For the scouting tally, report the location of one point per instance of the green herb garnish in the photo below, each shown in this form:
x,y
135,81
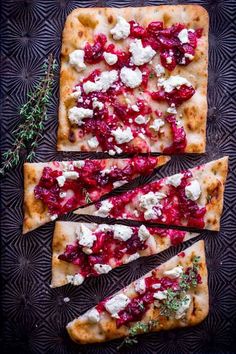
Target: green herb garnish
x,y
151,75
87,196
33,114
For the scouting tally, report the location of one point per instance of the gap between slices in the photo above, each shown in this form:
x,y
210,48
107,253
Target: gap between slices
x,y
81,250
192,198
56,188
173,295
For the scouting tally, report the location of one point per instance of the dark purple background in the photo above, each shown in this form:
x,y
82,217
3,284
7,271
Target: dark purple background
x,y
33,315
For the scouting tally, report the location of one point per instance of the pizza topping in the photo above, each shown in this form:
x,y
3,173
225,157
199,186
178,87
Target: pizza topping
x,y
143,233
76,279
102,268
102,83
93,316
122,136
121,29
160,70
76,58
174,180
173,82
140,119
135,108
133,257
118,184
141,55
193,190
104,208
131,78
151,203
157,124
97,104
178,135
110,58
140,286
76,93
116,304
183,36
160,295
85,236
76,115
71,174
174,273
93,142
122,233
61,180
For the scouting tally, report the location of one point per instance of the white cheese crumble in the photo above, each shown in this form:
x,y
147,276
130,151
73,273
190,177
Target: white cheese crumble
x,y
174,180
79,164
121,29
122,136
53,217
183,36
111,152
118,150
156,286
193,190
62,194
143,233
140,119
110,58
140,55
135,108
183,308
93,142
102,83
97,104
118,184
160,70
169,60
160,295
133,257
77,93
150,200
76,115
66,299
104,209
173,82
157,124
87,250
76,279
102,268
189,56
172,109
131,78
76,58
105,228
61,180
140,286
85,236
116,304
93,316
71,175
122,232
174,272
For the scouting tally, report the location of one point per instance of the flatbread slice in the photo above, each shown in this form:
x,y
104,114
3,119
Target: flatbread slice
x,y
193,198
55,188
115,94
81,250
171,296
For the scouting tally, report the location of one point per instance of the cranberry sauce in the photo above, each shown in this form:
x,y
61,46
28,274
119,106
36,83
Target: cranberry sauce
x,y
92,183
176,96
178,135
176,208
139,305
104,249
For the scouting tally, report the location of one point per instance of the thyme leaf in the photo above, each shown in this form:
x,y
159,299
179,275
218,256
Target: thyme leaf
x,y
87,196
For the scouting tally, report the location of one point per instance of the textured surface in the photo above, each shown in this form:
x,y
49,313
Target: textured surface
x,y
33,315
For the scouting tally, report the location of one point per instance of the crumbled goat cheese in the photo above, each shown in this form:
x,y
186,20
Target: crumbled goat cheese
x,y
61,180
76,279
189,56
183,36
160,295
174,272
93,316
131,78
173,82
118,150
105,228
85,236
93,142
104,209
121,29
140,119
193,190
62,194
122,136
156,286
122,233
118,184
76,115
110,58
87,250
102,268
135,108
183,308
77,93
169,60
150,200
79,164
174,180
171,110
53,217
157,124
143,233
71,175
116,304
111,152
160,70
97,104
102,83
76,58
132,257
140,55
140,286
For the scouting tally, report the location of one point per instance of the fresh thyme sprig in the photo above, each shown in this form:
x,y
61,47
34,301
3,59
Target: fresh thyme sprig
x,y
33,115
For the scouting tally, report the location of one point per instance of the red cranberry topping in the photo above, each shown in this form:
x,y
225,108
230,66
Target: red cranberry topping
x,y
94,53
178,135
176,96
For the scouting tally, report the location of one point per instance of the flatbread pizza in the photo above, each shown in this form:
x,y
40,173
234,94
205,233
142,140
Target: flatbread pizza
x,y
134,80
192,198
173,295
81,250
55,188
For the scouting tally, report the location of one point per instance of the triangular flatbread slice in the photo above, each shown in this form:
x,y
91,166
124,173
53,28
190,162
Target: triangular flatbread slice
x,y
193,198
173,295
81,250
55,188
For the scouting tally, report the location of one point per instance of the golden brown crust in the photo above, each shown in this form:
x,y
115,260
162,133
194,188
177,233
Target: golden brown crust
x,y
80,27
35,212
64,234
82,331
212,177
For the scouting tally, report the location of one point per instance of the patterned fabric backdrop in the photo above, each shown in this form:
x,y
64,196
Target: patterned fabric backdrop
x,y
33,315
